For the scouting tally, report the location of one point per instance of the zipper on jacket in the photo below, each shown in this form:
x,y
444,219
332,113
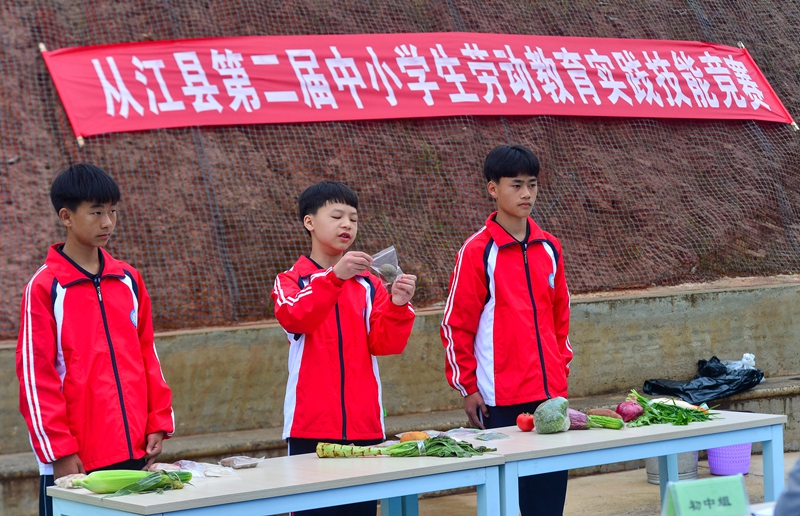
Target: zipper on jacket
x,y
535,318
341,370
114,366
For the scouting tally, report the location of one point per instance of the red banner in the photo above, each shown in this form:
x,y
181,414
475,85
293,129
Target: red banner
x,y
285,79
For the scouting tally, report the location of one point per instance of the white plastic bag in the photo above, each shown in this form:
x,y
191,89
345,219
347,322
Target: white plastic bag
x,y
748,361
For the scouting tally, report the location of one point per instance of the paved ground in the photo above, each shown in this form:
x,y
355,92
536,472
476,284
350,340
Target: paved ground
x,y
625,493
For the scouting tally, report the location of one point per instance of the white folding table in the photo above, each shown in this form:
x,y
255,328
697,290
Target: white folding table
x,y
530,453
301,482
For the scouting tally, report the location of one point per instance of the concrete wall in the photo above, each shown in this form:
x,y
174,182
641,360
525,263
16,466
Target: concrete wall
x,y
234,379
621,341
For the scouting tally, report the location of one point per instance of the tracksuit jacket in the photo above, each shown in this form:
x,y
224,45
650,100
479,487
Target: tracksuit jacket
x,y
90,379
336,328
506,320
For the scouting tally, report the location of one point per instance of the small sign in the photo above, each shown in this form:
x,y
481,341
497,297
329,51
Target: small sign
x,y
715,496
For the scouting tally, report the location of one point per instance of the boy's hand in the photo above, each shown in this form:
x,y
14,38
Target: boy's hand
x,y
352,263
68,465
472,404
153,447
403,289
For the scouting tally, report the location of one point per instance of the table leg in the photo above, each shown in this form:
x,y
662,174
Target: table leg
x,y
509,489
400,506
772,454
489,493
667,472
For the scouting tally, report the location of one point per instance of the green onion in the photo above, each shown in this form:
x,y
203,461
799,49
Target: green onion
x,y
440,446
666,413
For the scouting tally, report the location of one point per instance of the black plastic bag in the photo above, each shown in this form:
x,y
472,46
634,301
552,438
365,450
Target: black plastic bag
x,y
705,388
711,367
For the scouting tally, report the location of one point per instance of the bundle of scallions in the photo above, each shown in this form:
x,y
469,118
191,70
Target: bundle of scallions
x,y
658,412
439,446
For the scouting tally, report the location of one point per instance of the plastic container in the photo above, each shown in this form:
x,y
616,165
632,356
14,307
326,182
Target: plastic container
x,y
730,460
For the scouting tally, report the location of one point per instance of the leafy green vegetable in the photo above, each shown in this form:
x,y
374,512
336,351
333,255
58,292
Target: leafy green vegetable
x,y
439,446
664,413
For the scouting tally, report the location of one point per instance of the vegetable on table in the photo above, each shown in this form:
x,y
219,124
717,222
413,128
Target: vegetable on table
x,y
122,482
525,422
109,481
680,403
551,416
667,412
603,412
614,423
439,446
578,420
629,410
414,436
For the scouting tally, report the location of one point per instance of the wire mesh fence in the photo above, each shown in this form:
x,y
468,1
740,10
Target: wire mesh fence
x,y
209,214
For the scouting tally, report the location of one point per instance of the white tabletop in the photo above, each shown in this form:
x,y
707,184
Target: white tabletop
x,y
280,477
285,476
531,445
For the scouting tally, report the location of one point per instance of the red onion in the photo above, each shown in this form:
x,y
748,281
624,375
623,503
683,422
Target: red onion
x,y
629,410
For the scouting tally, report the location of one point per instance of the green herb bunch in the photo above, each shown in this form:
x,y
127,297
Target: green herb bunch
x,y
656,413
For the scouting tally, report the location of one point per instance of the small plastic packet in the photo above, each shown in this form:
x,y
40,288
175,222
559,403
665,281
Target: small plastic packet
x,y
463,432
204,469
490,435
240,462
66,480
163,466
384,263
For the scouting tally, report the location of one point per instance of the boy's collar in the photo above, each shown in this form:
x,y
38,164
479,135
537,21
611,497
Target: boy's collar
x,y
83,271
314,262
68,272
305,266
503,238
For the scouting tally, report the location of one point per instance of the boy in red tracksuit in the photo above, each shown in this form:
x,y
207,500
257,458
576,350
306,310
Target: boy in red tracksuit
x,y
91,388
338,317
506,321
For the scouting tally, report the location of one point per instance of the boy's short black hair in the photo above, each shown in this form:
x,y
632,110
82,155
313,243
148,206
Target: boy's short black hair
x,y
510,161
315,197
83,182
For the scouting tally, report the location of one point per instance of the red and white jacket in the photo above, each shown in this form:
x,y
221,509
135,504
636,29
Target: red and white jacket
x,y
90,379
506,321
336,328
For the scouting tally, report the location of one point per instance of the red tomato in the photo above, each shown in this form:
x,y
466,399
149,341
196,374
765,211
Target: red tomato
x,y
525,422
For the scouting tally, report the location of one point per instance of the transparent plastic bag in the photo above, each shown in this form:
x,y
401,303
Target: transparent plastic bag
x,y
204,469
463,432
66,481
385,265
240,462
490,435
163,466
